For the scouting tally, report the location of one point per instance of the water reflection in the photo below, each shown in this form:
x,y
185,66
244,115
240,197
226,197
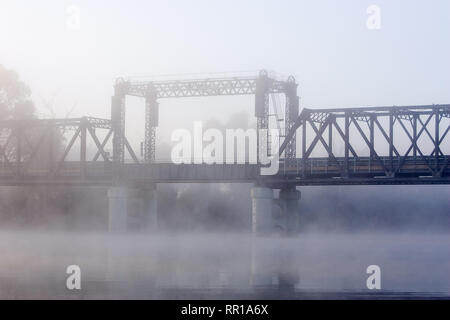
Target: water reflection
x,y
33,265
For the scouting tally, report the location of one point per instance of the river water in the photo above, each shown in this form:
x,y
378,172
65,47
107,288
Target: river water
x,y
221,265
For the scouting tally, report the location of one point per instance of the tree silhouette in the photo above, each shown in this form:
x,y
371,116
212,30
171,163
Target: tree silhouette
x,y
15,101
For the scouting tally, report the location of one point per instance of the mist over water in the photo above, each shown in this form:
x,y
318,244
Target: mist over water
x,y
33,264
204,245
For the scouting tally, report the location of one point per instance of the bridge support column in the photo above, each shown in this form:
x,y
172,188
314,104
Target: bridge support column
x,y
286,268
289,199
262,226
272,219
118,209
132,208
149,215
262,199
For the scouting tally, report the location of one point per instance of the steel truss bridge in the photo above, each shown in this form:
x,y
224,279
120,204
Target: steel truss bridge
x,y
339,146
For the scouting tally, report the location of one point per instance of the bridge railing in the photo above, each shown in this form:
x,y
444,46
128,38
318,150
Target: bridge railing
x,y
100,173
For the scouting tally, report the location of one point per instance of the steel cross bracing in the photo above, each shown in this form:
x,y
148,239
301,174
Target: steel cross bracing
x,y
201,87
400,140
381,145
260,86
37,149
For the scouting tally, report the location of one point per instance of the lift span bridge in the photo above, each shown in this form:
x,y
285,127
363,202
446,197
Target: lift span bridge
x,y
339,146
377,145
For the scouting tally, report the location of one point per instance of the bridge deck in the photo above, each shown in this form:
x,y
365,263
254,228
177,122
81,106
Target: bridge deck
x,y
314,171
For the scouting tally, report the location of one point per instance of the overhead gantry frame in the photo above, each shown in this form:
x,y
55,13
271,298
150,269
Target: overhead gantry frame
x,y
260,86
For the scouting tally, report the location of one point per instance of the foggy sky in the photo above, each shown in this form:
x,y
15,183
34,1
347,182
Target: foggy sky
x,y
324,44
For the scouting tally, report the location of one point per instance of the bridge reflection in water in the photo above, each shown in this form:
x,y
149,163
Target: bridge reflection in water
x,y
215,266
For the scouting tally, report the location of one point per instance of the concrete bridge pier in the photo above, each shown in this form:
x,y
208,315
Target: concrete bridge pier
x,y
132,208
262,202
288,201
273,220
149,211
117,209
262,227
286,267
